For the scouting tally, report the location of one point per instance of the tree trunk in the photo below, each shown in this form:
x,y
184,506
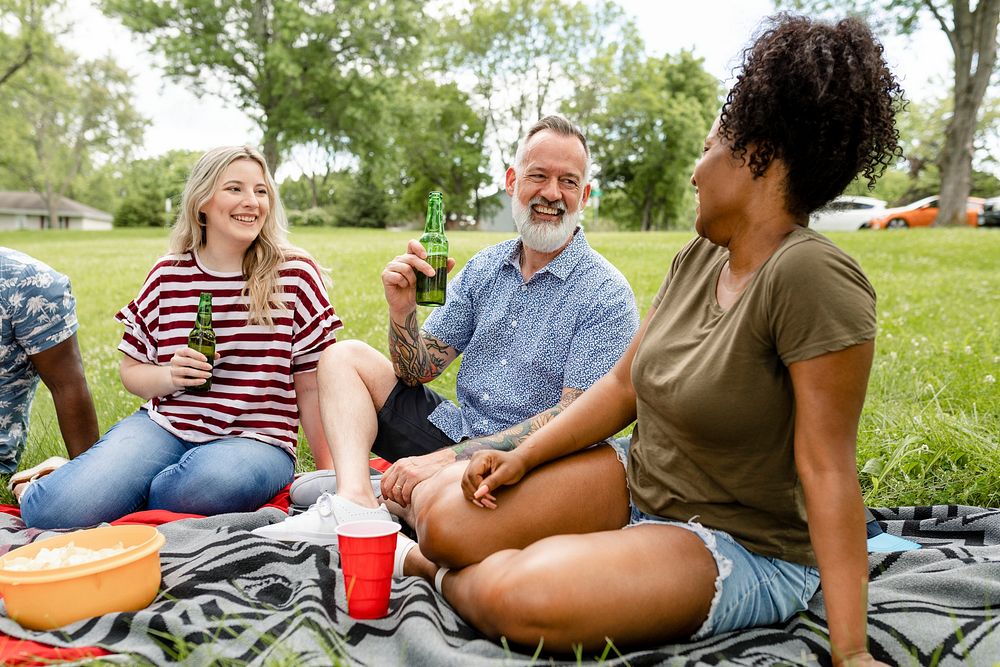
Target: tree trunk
x,y
647,211
50,204
956,168
269,148
973,37
313,189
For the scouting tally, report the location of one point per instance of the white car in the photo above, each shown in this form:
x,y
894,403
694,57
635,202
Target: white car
x,y
846,214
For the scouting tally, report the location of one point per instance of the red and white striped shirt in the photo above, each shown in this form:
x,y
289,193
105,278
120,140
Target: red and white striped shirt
x,y
253,391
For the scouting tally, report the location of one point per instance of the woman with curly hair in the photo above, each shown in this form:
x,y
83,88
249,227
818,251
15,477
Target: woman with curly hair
x,y
229,448
746,382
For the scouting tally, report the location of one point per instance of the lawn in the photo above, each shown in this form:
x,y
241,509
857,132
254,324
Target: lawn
x,y
931,425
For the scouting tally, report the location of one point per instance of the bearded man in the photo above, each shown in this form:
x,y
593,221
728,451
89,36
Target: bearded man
x,y
537,320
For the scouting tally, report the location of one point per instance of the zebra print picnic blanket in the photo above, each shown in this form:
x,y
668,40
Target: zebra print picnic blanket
x,y
230,597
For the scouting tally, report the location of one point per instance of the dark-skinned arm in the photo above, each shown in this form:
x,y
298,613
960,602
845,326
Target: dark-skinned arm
x,y
829,394
403,476
604,409
61,369
510,438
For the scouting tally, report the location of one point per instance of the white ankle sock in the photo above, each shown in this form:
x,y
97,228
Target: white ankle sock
x,y
439,579
403,547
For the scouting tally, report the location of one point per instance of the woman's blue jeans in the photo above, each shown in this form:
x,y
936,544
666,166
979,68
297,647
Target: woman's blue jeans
x,y
139,465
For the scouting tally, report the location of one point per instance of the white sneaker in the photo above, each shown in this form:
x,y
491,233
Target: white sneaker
x,y
309,486
318,524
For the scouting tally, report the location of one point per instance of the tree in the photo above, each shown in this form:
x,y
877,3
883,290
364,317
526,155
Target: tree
x,y
922,136
322,172
438,146
972,34
651,133
148,185
22,34
312,190
525,57
364,203
302,69
68,117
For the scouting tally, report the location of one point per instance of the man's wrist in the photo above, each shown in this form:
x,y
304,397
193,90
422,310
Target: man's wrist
x,y
400,317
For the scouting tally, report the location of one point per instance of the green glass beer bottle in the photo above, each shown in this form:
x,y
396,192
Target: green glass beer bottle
x,y
431,289
202,337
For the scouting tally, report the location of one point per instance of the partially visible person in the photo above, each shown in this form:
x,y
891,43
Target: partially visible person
x,y
746,382
232,447
38,340
536,320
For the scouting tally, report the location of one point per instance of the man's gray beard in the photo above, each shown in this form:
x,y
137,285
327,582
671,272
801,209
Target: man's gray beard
x,y
542,236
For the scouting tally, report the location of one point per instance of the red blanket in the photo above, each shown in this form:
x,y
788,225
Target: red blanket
x,y
25,652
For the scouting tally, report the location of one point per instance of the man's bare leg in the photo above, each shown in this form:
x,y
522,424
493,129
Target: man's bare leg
x,y
354,382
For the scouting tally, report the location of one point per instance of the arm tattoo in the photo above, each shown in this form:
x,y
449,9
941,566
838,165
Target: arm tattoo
x,y
512,437
416,357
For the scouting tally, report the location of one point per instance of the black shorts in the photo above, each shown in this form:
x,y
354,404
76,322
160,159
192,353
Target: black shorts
x,y
403,427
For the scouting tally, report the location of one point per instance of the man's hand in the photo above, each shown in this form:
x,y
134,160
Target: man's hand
x,y
488,471
399,480
399,279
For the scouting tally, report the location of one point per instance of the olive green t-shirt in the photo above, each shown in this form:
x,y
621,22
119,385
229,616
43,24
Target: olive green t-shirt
x,y
714,435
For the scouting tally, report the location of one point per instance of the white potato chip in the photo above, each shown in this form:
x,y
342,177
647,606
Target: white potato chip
x,y
51,559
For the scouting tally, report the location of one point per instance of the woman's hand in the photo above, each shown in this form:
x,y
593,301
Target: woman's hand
x,y
189,368
488,471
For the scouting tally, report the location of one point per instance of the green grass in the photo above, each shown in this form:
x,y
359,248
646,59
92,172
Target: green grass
x,y
929,432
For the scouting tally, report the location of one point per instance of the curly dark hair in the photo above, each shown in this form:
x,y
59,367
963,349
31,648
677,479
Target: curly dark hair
x,y
820,97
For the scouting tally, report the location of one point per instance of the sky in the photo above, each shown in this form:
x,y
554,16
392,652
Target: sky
x,y
715,30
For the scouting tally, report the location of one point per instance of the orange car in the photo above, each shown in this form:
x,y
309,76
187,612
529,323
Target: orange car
x,y
921,213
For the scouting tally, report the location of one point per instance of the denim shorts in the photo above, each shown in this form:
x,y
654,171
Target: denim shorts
x,y
750,590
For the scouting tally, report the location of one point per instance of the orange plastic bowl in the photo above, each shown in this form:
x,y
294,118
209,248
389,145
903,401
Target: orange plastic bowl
x,y
46,599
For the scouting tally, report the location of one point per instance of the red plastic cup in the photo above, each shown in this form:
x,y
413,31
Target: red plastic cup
x,y
367,551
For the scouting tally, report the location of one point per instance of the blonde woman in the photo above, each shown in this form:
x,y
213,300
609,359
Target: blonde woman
x,y
232,447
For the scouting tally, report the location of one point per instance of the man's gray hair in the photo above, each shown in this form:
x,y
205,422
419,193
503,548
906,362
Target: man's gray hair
x,y
559,125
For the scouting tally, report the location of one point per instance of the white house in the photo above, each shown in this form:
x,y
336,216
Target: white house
x,y
27,210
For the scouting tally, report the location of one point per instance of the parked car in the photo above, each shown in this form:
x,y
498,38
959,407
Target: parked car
x,y
846,214
990,215
922,213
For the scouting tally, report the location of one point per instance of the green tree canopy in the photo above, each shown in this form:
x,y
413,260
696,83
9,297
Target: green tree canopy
x,y
68,118
148,185
439,146
525,57
302,69
23,36
648,137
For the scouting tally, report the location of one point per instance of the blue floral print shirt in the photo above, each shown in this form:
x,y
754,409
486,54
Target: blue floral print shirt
x,y
37,311
523,342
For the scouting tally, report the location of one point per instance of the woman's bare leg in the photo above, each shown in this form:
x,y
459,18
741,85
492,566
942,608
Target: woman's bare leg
x,y
581,493
647,584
